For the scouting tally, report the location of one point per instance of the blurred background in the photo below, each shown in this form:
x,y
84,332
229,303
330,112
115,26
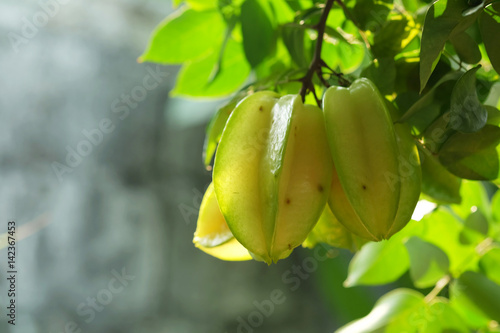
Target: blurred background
x,y
102,173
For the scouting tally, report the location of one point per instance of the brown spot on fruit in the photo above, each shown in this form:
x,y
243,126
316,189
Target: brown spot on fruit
x,y
320,188
287,201
364,187
261,108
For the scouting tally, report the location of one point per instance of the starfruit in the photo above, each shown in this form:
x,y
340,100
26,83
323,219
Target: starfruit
x,y
212,234
330,231
272,173
377,176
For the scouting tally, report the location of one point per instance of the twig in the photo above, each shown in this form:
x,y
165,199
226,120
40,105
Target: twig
x,y
342,80
318,100
483,247
316,61
321,78
459,63
443,282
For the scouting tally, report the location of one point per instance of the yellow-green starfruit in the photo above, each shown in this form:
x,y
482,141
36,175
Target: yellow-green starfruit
x,y
377,176
272,173
330,231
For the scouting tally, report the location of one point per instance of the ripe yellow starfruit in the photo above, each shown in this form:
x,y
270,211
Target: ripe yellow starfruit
x,y
212,234
377,176
272,173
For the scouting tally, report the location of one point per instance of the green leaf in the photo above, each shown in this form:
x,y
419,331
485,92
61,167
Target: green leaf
x,y
293,37
336,18
281,11
496,181
432,104
342,54
310,15
257,30
196,77
493,115
378,263
407,80
435,317
428,263
437,182
412,5
466,48
443,20
342,46
477,221
438,133
467,113
442,229
495,206
382,72
218,66
474,198
486,81
275,69
494,231
177,2
398,305
185,35
476,229
490,264
476,298
393,37
294,5
370,14
489,25
472,155
442,318
202,4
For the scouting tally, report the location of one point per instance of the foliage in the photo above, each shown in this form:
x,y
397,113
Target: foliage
x,y
437,66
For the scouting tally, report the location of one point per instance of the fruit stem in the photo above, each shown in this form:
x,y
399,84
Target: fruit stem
x,y
316,62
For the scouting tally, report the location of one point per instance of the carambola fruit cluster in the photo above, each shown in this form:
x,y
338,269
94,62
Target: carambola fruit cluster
x,y
289,174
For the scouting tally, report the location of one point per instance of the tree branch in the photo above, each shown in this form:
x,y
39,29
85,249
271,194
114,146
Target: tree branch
x,y
316,61
481,249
